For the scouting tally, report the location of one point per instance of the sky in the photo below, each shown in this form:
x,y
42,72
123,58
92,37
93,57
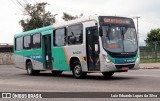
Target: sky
x,y
148,11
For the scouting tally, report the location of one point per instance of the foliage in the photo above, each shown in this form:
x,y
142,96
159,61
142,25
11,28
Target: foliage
x,y
153,37
67,17
35,17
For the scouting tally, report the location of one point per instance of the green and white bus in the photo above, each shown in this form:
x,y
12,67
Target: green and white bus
x,y
105,44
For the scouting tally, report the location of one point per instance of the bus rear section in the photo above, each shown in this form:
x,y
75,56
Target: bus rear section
x,y
29,50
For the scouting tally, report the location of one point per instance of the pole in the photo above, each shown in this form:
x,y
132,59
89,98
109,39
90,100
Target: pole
x,y
155,50
137,27
43,7
137,32
137,23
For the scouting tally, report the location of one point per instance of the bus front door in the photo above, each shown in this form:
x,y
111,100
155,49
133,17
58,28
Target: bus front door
x,y
92,48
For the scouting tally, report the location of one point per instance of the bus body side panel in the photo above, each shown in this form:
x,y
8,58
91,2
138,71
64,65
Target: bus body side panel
x,y
19,59
76,51
59,59
35,56
62,56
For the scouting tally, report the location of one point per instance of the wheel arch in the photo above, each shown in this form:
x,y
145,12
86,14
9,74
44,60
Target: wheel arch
x,y
72,60
27,60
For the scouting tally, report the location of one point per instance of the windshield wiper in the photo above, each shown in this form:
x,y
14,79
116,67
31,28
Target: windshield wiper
x,y
108,31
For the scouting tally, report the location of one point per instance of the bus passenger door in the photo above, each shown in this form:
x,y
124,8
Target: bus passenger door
x,y
92,48
47,51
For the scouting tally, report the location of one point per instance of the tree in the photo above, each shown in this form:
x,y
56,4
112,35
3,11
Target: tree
x,y
153,37
35,17
153,40
67,17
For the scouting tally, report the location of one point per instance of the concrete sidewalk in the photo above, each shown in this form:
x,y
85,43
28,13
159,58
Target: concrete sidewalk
x,y
150,65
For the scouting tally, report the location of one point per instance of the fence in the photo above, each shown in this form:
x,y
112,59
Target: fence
x,y
6,58
151,53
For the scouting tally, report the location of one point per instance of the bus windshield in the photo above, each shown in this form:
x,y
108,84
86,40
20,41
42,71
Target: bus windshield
x,y
119,39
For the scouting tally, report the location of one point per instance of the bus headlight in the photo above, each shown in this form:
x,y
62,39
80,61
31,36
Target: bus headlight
x,y
106,59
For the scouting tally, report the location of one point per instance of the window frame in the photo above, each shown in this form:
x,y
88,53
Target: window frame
x,y
30,42
32,45
65,37
16,43
68,30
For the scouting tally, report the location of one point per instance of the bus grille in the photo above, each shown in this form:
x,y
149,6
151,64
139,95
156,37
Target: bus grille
x,y
130,66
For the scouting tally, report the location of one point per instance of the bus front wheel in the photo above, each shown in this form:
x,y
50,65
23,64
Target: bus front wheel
x,y
30,70
77,70
107,74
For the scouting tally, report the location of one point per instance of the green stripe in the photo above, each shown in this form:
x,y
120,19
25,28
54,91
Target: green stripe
x,y
35,54
123,60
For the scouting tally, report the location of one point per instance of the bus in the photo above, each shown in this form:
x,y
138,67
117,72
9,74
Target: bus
x,y
104,44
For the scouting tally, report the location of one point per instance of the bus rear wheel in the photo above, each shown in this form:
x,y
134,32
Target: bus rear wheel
x,y
107,74
30,70
77,70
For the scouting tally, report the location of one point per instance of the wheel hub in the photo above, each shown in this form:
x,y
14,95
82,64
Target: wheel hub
x,y
77,70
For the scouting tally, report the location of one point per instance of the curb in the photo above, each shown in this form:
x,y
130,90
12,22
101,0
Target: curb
x,y
150,68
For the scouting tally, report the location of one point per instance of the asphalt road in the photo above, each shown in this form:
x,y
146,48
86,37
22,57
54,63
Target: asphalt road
x,y
16,80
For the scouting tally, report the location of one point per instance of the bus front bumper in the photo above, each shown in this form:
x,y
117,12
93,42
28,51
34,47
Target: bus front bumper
x,y
108,67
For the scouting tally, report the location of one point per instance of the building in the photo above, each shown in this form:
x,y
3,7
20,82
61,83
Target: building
x,y
6,47
6,54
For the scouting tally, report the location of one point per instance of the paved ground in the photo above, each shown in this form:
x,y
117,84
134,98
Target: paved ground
x,y
150,65
16,80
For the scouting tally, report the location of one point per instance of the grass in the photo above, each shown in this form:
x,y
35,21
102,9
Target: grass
x,y
145,60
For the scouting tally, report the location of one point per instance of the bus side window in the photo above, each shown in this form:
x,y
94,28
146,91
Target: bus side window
x,y
75,34
27,42
60,37
19,43
36,40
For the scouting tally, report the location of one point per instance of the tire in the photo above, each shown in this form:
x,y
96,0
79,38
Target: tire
x,y
77,70
56,73
107,74
30,70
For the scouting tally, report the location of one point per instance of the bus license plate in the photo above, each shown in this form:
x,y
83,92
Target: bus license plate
x,y
125,68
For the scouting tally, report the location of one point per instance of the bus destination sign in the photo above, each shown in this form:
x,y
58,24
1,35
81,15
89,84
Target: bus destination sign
x,y
117,20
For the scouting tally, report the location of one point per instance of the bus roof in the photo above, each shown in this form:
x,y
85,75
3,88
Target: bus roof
x,y
56,25
76,21
81,20
63,24
34,31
